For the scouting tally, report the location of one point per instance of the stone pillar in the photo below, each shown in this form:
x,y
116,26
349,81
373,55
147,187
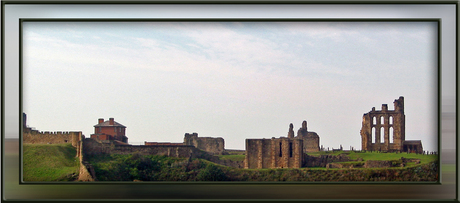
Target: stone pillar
x,y
285,157
259,154
273,153
386,130
291,131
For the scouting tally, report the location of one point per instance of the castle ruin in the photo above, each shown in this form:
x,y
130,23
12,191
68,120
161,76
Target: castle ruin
x,y
213,145
310,139
384,130
283,152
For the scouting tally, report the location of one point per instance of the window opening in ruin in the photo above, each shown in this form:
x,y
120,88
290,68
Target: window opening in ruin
x,y
391,135
382,135
281,154
373,134
290,149
374,120
382,120
391,120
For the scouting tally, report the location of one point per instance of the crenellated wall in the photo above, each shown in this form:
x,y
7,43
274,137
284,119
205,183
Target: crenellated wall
x,y
36,137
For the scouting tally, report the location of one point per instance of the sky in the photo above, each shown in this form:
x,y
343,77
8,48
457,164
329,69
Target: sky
x,y
235,80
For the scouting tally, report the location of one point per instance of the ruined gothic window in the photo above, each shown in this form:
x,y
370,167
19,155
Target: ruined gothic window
x,y
374,120
382,120
290,149
382,135
281,154
391,135
373,135
391,120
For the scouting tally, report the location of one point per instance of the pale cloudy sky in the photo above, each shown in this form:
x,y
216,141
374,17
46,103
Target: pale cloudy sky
x,y
234,80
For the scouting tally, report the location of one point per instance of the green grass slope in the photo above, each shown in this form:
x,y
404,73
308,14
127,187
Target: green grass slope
x,y
50,162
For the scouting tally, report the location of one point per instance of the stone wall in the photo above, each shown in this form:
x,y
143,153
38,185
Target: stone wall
x,y
274,153
92,147
208,144
310,139
324,160
36,137
377,164
384,130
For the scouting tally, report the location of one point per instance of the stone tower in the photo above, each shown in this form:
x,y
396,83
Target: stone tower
x,y
384,130
310,139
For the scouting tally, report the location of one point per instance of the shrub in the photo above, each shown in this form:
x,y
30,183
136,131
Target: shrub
x,y
211,173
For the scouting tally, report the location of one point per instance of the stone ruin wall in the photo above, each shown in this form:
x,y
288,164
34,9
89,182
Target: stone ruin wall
x,y
310,139
93,147
388,120
311,144
36,137
208,144
274,153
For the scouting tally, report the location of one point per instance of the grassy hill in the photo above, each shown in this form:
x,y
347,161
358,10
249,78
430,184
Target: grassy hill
x,y
50,162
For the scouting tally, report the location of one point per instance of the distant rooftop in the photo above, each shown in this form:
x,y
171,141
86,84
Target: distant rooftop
x,y
107,123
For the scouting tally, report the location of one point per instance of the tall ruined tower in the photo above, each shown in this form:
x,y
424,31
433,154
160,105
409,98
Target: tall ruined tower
x,y
384,130
310,139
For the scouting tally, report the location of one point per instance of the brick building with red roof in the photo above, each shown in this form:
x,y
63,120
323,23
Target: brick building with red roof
x,y
109,130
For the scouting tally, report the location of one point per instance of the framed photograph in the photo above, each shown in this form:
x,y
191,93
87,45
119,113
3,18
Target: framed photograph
x,y
229,101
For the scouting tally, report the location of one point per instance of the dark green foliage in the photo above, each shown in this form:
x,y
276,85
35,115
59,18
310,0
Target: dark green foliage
x,y
161,168
211,173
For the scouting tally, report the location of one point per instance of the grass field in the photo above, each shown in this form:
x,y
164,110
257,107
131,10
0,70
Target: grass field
x,y
56,162
424,159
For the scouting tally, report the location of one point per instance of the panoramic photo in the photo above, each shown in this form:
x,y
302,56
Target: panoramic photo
x,y
200,101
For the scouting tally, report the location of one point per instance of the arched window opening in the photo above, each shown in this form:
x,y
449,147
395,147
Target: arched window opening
x,y
382,135
391,120
373,135
281,149
382,120
374,120
391,135
290,149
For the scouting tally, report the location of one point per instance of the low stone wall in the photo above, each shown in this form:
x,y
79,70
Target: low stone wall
x,y
324,160
92,147
231,163
377,164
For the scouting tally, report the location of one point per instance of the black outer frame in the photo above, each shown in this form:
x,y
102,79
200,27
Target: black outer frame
x,y
117,2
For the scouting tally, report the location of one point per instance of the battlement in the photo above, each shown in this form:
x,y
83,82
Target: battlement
x,y
47,137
